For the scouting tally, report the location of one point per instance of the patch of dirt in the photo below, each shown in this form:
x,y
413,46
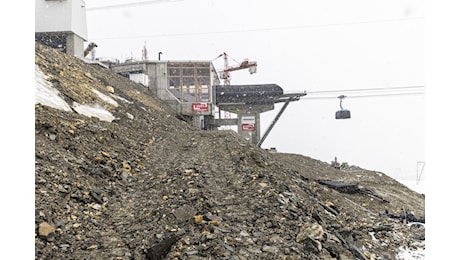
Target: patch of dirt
x,y
149,186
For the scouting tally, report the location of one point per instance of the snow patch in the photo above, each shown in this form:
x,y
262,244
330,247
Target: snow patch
x,y
93,110
105,98
406,253
122,99
46,94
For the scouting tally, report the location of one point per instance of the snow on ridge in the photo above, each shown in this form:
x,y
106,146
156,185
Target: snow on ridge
x,y
47,95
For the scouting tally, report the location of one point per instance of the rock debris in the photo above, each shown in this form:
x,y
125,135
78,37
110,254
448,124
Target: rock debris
x,y
146,185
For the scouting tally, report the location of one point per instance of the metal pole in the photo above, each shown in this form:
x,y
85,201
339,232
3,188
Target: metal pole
x,y
286,103
420,172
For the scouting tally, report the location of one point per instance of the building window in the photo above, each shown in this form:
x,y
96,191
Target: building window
x,y
190,81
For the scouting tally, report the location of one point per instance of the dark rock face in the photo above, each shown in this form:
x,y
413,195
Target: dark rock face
x,y
148,186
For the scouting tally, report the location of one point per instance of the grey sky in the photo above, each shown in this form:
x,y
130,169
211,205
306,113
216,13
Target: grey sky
x,y
299,45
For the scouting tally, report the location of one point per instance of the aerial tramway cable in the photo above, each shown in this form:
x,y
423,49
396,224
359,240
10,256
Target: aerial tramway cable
x,y
366,93
366,89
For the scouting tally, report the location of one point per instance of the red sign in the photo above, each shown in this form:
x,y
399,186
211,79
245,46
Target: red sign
x,y
248,127
200,107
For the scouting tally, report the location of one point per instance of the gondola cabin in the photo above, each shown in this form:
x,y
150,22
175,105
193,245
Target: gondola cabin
x,y
343,114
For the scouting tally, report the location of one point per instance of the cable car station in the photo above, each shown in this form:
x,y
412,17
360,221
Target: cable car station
x,y
193,90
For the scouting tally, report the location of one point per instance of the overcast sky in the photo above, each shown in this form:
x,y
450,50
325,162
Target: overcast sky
x,y
301,46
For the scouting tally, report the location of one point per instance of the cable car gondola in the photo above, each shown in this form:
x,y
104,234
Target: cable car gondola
x,y
342,113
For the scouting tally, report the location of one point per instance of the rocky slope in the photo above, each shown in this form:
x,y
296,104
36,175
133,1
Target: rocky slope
x,y
146,185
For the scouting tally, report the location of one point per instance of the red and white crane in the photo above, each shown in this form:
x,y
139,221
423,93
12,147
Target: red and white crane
x,y
224,74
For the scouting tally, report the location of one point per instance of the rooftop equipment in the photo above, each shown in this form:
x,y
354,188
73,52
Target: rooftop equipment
x,y
89,48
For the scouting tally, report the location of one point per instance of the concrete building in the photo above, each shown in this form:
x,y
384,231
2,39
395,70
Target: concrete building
x,y
186,86
61,24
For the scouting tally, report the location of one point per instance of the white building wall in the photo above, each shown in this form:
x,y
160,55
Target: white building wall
x,y
140,78
78,23
61,16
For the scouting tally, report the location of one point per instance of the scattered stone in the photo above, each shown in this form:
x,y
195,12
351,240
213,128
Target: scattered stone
x,y
184,213
92,247
96,206
45,229
185,181
126,167
270,249
105,154
198,219
110,89
160,250
313,231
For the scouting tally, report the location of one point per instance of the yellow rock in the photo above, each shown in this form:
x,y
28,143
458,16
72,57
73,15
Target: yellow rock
x,y
205,233
98,159
198,219
105,154
92,247
79,121
126,167
44,229
162,175
165,197
263,184
214,222
76,225
110,89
